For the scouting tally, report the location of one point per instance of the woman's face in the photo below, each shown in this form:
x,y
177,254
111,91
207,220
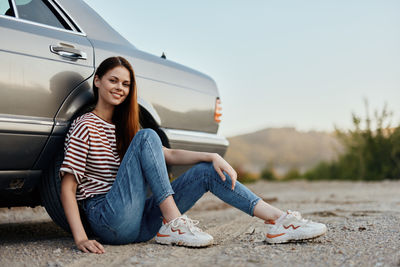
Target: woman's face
x,y
113,87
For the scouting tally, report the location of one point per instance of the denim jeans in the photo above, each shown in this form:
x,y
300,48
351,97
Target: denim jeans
x,y
125,214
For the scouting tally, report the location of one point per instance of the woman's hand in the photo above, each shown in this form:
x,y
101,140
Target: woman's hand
x,y
90,246
68,199
221,165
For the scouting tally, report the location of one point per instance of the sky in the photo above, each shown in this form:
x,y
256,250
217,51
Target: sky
x,y
306,64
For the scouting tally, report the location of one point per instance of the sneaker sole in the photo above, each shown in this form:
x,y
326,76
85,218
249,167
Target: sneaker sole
x,y
298,239
183,243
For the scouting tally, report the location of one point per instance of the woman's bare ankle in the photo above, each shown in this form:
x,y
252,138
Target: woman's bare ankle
x,y
169,209
267,212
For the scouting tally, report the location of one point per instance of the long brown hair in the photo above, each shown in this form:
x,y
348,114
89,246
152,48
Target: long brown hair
x,y
126,114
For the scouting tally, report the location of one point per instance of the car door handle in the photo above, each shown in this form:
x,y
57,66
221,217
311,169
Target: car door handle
x,y
68,52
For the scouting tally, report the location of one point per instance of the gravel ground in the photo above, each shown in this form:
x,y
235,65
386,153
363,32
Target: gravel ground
x,y
362,219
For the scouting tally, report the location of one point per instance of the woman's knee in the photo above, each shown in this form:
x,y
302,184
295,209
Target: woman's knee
x,y
205,167
209,172
200,172
147,134
206,170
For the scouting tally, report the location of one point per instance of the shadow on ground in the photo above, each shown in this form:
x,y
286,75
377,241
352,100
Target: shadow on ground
x,y
29,232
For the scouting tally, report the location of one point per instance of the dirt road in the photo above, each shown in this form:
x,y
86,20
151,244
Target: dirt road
x,y
362,219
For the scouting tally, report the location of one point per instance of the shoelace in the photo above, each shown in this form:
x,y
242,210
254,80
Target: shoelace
x,y
190,224
297,215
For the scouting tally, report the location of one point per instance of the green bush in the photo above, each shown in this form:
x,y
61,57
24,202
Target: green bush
x,y
244,176
292,174
324,170
248,179
369,154
268,173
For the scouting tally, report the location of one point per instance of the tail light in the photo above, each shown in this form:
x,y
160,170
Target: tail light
x,y
218,110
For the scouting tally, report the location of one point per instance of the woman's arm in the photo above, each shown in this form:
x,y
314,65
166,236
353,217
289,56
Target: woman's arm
x,y
68,199
185,157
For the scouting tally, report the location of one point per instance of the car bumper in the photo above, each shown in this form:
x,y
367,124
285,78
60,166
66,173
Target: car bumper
x,y
197,141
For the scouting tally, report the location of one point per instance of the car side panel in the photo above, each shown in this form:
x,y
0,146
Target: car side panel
x,y
179,108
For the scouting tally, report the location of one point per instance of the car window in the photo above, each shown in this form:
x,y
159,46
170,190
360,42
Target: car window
x,y
40,11
5,8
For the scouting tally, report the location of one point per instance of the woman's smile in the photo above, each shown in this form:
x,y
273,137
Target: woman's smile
x,y
117,95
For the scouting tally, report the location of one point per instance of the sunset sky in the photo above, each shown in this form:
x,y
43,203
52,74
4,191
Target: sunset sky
x,y
307,64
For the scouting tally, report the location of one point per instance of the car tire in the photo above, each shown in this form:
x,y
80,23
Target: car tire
x,y
50,195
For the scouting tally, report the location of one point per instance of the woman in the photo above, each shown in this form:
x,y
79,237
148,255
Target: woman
x,y
109,163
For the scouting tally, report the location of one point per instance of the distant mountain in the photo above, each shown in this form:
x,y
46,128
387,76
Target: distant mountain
x,y
282,148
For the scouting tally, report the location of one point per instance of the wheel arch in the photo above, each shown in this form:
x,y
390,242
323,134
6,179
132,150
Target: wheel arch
x,y
149,118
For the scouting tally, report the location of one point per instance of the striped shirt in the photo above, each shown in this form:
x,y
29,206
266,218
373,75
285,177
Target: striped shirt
x,y
91,155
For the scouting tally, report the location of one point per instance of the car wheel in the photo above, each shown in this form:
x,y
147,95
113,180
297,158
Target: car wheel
x,y
50,194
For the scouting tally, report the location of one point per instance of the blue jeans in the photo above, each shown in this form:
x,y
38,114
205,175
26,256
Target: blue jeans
x,y
125,214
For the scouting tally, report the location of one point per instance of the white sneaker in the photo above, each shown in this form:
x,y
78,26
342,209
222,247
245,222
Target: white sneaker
x,y
291,226
182,231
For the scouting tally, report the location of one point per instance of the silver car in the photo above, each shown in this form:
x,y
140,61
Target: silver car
x,y
49,50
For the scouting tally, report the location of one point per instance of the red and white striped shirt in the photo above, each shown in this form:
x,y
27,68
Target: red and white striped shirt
x,y
91,155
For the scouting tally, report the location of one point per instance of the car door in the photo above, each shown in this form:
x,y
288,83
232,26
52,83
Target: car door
x,y
44,55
